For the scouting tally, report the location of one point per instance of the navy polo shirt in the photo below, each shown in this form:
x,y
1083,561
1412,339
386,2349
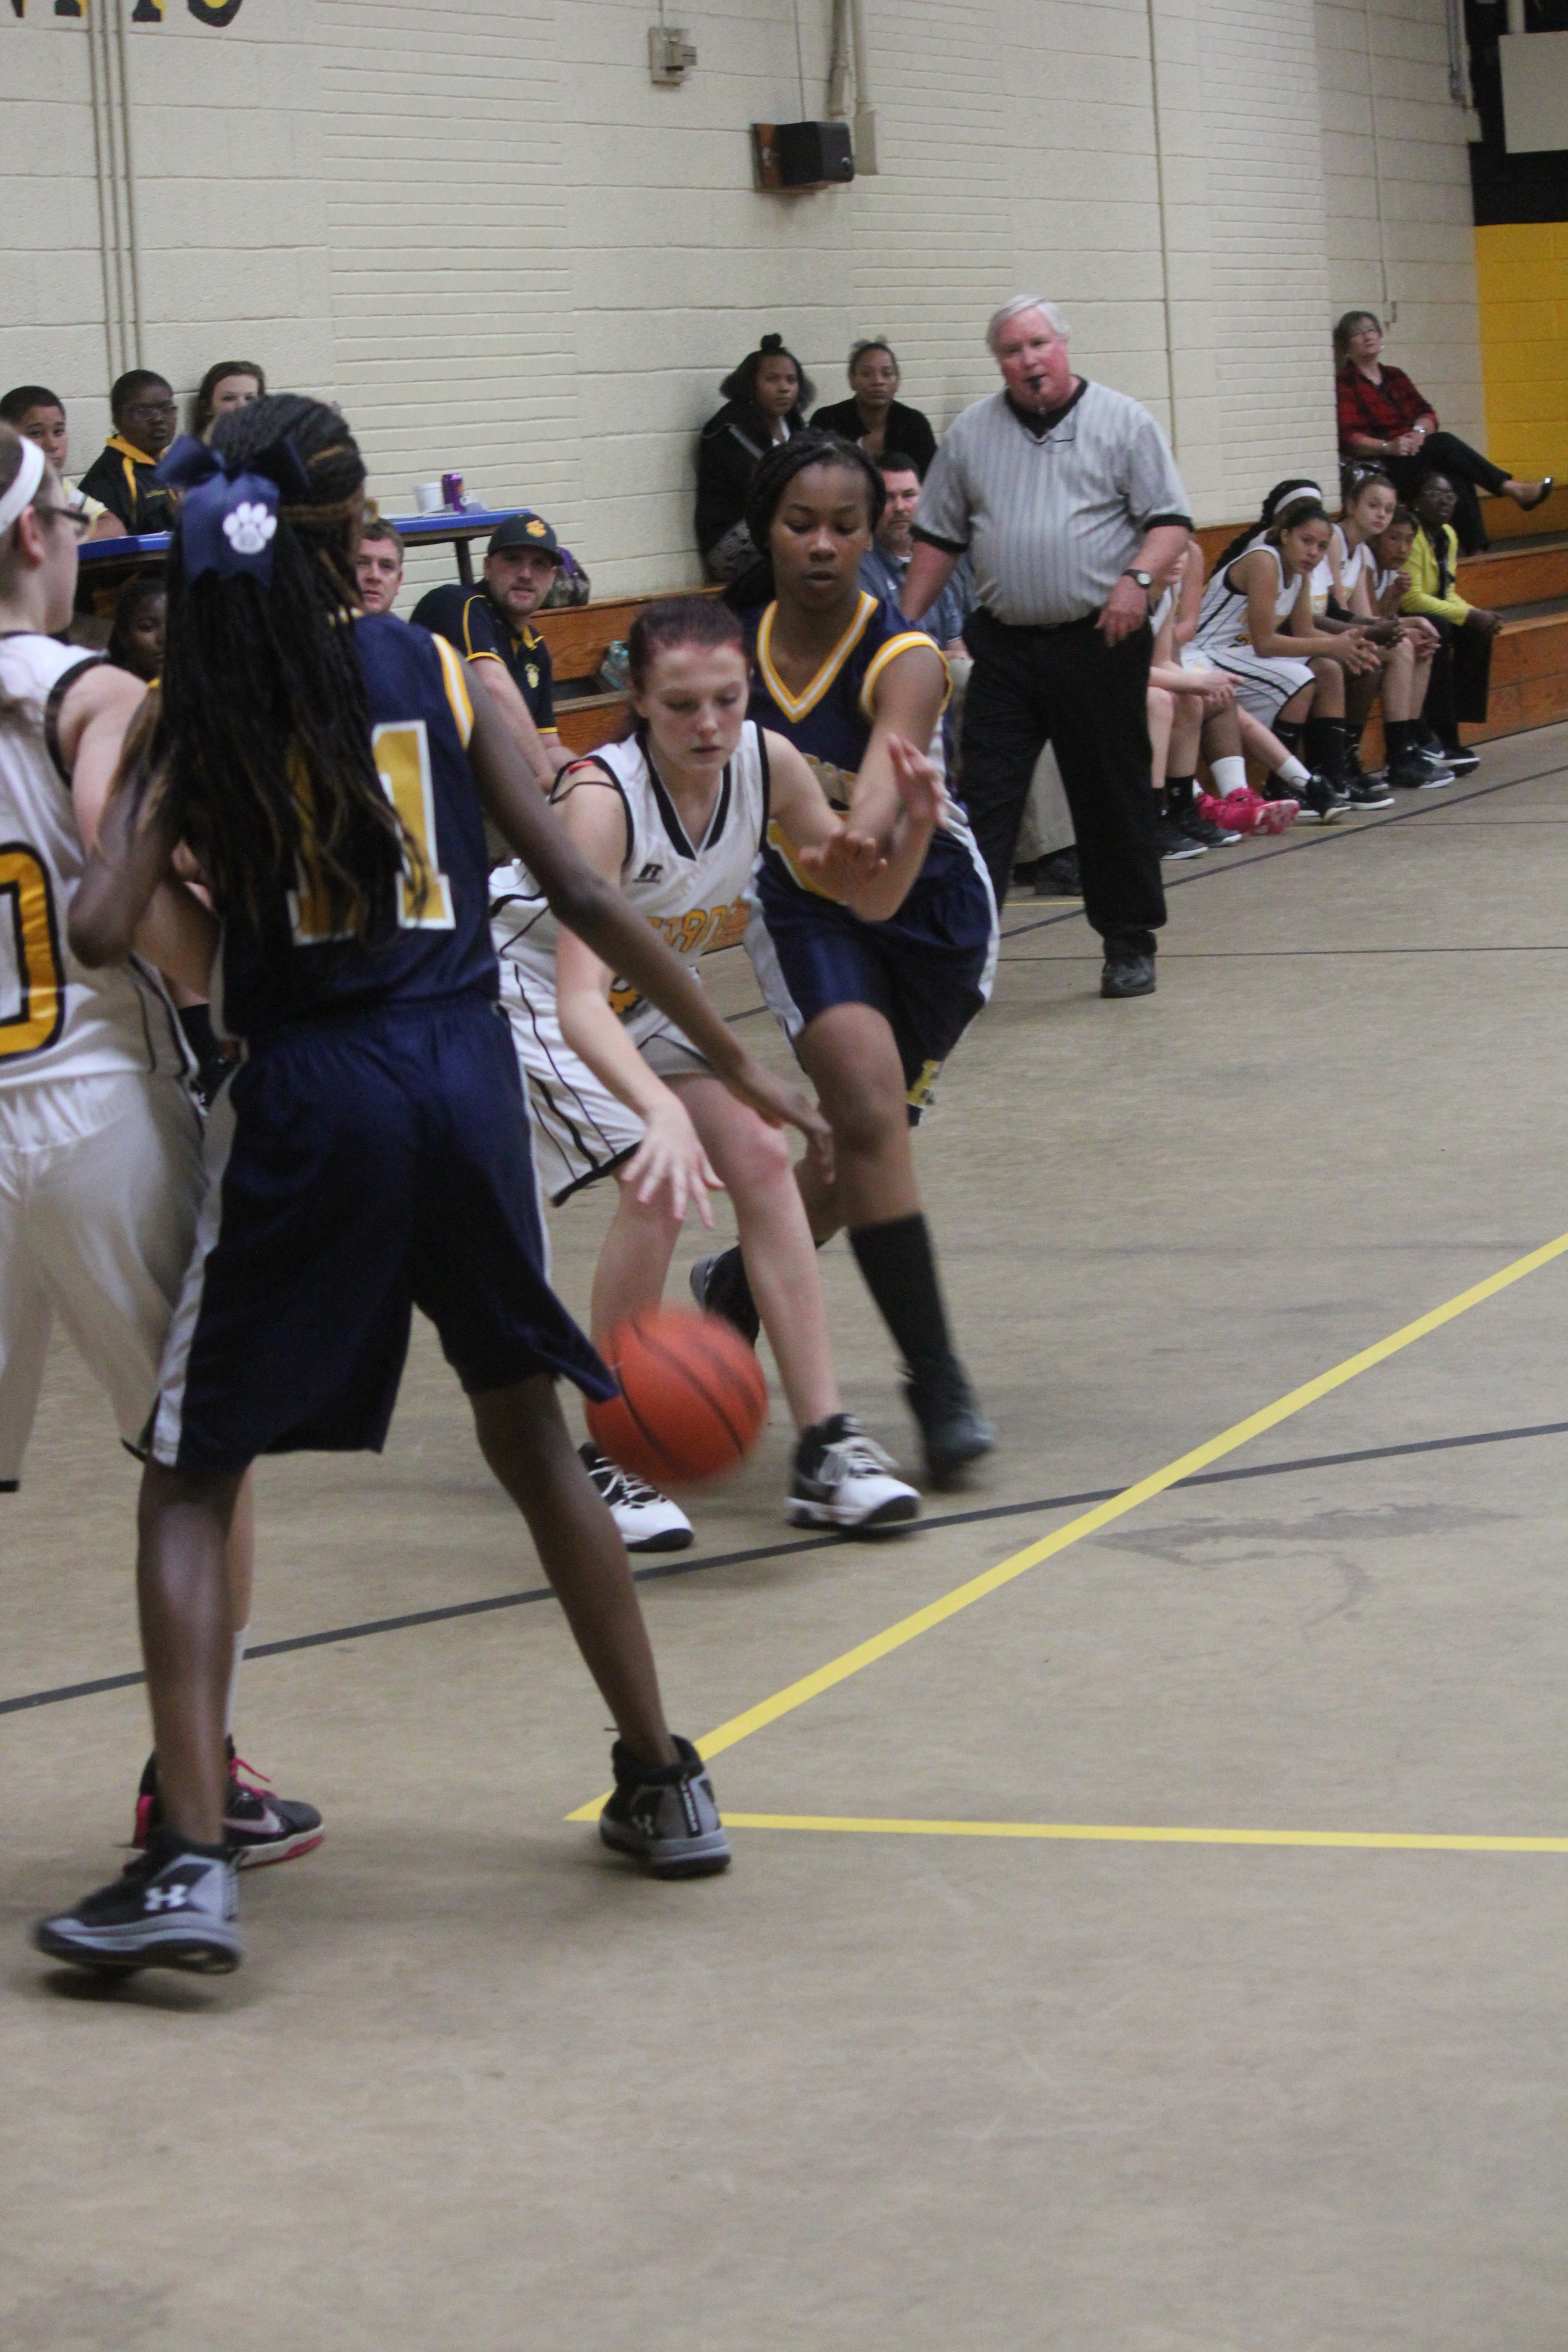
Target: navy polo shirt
x,y
470,620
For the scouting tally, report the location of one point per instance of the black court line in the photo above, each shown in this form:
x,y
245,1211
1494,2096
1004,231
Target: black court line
x,y
658,1571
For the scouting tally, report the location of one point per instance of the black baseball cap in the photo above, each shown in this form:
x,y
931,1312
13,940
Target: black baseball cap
x,y
524,529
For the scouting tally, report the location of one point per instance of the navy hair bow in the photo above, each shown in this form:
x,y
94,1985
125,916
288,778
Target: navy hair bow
x,y
227,520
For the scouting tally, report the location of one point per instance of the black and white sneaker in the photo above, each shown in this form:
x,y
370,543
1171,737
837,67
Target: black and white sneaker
x,y
1203,830
719,1286
1368,793
258,1826
1412,771
173,1907
648,1521
1173,842
1460,762
665,1814
1317,801
843,1480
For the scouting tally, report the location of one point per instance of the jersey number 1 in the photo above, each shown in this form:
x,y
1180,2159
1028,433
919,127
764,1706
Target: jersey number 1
x,y
27,898
402,756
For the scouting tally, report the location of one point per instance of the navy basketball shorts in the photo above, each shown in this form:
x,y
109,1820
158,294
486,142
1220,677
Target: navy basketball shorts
x,y
359,1166
928,970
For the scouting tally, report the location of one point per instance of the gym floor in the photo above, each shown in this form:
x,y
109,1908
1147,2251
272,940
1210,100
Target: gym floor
x,y
891,2083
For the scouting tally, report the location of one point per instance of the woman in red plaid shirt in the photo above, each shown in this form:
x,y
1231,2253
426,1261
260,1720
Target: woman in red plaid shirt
x,y
1383,415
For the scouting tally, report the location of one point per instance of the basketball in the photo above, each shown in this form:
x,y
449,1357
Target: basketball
x,y
693,1399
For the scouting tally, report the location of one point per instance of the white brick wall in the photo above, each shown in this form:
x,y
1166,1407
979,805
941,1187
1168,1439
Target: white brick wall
x,y
1427,230
484,230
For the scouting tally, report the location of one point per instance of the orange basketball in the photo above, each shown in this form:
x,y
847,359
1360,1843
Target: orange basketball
x,y
693,1400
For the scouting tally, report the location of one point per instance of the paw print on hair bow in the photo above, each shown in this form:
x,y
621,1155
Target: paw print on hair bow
x,y
249,529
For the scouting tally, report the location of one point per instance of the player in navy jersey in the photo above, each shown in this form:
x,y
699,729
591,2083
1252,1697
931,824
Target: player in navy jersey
x,y
371,1152
872,1009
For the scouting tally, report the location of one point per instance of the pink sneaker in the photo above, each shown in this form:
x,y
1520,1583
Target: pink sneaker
x,y
1247,812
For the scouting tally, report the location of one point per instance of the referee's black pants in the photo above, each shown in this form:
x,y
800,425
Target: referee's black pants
x,y
1089,701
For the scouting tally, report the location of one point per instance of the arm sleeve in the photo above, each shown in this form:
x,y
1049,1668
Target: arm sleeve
x,y
943,515
1155,491
476,635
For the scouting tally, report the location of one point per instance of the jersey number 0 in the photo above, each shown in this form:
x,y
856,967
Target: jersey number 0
x,y
27,900
401,755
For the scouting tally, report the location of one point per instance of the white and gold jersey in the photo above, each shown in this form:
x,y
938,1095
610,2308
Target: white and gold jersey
x,y
58,1018
693,893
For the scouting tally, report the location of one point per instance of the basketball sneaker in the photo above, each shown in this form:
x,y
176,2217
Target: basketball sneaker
x,y
648,1521
719,1286
665,1814
258,1826
843,1480
173,1907
955,1430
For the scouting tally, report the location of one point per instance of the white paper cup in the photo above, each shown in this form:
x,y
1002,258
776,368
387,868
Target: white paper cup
x,y
428,497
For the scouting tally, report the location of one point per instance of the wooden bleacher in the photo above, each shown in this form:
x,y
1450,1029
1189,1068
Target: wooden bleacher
x,y
1525,576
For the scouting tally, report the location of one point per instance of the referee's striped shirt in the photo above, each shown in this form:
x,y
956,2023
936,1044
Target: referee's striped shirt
x,y
1051,521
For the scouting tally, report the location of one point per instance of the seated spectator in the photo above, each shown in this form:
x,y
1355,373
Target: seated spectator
x,y
1383,415
143,407
231,383
1461,670
379,565
765,402
887,560
1389,580
1256,622
1405,646
490,626
39,415
136,636
872,415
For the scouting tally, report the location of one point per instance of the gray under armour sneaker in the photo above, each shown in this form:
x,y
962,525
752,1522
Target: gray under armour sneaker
x,y
665,1814
173,1907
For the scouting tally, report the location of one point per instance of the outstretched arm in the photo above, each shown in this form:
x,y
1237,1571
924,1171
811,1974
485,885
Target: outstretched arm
x,y
593,908
843,861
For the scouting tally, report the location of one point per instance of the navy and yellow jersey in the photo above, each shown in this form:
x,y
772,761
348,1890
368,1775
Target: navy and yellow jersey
x,y
295,966
832,719
121,479
469,619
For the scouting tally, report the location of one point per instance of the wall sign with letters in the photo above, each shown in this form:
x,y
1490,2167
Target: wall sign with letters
x,y
148,12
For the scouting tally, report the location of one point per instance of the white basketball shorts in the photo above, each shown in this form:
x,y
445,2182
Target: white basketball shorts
x,y
580,1130
101,1180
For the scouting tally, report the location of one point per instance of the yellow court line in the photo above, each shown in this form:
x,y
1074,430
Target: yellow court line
x,y
1093,1833
1088,1522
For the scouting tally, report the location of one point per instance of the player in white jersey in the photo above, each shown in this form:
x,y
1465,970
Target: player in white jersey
x,y
1255,621
676,815
101,1144
1405,643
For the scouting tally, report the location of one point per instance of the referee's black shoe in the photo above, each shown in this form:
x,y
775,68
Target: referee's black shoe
x,y
1128,976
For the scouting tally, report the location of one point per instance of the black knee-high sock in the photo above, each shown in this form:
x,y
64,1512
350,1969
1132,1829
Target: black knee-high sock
x,y
1289,732
899,1269
1400,735
1182,791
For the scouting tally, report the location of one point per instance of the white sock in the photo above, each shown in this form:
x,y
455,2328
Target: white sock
x,y
1230,775
1290,771
239,1640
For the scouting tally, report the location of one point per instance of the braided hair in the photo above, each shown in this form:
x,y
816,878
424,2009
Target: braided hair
x,y
260,748
773,478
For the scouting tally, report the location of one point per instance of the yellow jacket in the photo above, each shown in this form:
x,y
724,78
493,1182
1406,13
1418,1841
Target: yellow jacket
x,y
1422,596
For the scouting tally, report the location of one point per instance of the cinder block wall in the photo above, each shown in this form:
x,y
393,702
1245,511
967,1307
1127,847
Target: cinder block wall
x,y
488,234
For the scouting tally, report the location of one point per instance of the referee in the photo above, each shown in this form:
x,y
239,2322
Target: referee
x,y
1068,499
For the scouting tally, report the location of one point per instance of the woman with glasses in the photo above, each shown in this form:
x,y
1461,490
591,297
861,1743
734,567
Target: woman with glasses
x,y
120,476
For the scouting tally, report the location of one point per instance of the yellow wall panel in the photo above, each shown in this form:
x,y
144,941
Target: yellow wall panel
x,y
1520,269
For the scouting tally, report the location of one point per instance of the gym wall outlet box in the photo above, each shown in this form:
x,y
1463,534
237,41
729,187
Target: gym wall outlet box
x,y
671,54
802,154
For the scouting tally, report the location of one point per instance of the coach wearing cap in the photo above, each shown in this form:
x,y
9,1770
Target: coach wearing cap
x,y
1068,499
490,626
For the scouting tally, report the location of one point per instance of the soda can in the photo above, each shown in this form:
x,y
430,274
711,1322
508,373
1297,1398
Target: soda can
x,y
452,489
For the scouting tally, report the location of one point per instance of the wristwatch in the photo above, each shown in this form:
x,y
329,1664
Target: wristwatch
x,y
1145,579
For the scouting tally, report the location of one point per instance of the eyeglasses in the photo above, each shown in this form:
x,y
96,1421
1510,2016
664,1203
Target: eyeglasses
x,y
151,408
80,523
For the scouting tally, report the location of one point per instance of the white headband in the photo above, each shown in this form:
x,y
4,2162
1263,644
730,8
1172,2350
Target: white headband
x,y
24,489
1304,494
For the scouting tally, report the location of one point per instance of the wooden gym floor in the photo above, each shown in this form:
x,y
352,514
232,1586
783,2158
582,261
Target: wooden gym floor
x,y
1249,2041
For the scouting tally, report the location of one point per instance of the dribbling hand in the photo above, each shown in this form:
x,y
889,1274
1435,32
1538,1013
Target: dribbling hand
x,y
670,1163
